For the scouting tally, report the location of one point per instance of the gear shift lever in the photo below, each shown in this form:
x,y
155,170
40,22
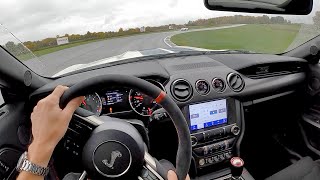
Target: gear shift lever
x,y
236,168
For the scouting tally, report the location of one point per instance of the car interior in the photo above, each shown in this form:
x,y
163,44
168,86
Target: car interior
x,y
266,109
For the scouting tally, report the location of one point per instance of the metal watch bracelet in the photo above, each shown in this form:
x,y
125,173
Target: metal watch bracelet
x,y
25,165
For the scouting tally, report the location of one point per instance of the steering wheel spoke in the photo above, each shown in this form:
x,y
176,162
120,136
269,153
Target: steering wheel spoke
x,y
148,173
83,176
149,170
89,118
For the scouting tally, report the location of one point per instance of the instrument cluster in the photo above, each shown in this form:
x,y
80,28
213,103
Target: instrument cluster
x,y
121,100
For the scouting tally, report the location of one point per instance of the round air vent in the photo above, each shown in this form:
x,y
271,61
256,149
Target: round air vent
x,y
181,90
235,82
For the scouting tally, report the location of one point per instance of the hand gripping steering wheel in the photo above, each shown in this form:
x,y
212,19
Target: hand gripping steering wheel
x,y
115,149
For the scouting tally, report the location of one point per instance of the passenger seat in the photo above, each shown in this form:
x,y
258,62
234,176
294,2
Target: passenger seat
x,y
304,169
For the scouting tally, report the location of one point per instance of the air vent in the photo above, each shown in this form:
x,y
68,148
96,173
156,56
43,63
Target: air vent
x,y
273,69
181,90
235,82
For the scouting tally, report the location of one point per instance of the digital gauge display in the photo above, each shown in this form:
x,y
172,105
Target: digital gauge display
x,y
202,87
113,97
115,101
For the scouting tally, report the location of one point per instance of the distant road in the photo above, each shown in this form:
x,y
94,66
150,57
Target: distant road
x,y
57,61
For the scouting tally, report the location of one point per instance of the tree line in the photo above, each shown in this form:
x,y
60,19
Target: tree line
x,y
17,49
239,19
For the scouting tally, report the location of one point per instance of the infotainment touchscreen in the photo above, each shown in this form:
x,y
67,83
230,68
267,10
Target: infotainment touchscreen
x,y
208,114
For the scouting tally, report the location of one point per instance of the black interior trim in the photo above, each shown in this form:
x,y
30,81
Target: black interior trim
x,y
304,51
267,98
12,73
306,141
295,7
243,129
10,123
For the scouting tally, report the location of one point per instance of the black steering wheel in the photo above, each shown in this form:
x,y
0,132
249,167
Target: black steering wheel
x,y
115,148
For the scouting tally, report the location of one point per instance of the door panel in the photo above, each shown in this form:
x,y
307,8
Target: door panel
x,y
8,160
14,121
310,124
14,136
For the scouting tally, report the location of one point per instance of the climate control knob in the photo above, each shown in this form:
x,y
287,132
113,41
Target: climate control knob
x,y
194,141
201,162
235,130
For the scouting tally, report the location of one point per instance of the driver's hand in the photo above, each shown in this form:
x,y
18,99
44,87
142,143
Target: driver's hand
x,y
173,176
49,124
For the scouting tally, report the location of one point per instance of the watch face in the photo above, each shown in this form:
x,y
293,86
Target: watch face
x,y
20,162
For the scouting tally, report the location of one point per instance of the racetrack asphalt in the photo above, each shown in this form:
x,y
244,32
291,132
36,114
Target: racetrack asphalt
x,y
54,62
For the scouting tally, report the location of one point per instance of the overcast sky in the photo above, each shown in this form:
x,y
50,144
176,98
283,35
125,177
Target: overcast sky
x,y
38,19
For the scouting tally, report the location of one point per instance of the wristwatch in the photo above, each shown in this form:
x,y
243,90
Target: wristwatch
x,y
25,165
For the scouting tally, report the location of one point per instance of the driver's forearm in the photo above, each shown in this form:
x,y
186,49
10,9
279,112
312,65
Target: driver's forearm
x,y
37,154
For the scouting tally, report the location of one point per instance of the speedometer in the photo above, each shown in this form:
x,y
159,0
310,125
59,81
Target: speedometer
x,y
143,104
92,103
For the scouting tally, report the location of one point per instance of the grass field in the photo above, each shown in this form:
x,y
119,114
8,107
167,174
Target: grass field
x,y
54,49
65,46
258,38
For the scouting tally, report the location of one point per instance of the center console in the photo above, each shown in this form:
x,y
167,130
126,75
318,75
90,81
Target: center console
x,y
215,128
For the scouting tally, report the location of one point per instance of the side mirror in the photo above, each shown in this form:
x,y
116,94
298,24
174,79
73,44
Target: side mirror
x,y
294,7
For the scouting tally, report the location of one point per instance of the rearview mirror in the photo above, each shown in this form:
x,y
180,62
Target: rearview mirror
x,y
294,7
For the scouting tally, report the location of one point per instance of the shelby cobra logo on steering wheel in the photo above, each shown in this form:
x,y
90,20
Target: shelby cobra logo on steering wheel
x,y
114,156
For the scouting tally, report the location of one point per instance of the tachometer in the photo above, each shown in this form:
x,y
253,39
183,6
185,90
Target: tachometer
x,y
143,104
92,103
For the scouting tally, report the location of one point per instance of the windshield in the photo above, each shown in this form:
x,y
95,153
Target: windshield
x,y
65,36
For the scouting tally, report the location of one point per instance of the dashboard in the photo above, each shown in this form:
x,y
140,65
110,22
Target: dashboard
x,y
189,80
116,100
211,91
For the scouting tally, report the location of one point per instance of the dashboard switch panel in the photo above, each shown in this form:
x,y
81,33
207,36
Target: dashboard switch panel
x,y
207,161
214,148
